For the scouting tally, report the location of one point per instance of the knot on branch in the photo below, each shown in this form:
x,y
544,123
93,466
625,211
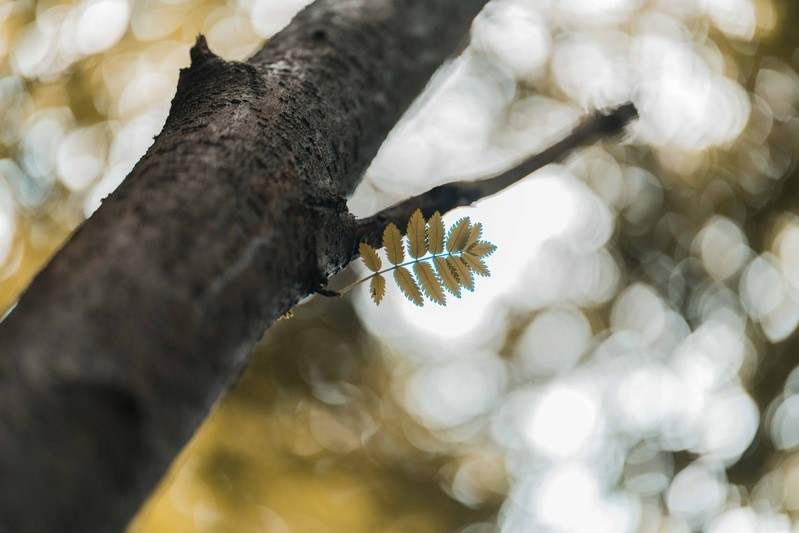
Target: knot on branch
x,y
209,85
200,51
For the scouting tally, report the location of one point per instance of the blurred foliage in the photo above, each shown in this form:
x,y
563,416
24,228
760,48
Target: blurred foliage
x,y
301,444
629,367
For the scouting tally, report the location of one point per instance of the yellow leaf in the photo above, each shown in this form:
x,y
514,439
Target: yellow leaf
x,y
476,264
481,249
370,257
392,242
456,257
416,232
377,288
435,233
447,276
464,273
458,235
408,285
430,283
474,235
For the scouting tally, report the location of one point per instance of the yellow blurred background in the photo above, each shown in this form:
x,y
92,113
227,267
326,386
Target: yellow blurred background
x,y
635,337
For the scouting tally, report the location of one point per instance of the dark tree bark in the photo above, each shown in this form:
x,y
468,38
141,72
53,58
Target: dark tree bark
x,y
121,345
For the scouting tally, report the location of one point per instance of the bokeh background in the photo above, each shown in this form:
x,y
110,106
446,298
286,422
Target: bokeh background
x,y
630,364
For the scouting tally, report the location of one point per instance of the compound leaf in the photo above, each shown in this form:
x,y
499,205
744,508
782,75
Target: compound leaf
x,y
442,261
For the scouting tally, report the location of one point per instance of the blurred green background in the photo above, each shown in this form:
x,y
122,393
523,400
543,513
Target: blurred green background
x,y
629,366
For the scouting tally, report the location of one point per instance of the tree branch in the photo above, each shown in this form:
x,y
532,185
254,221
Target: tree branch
x,y
121,345
464,192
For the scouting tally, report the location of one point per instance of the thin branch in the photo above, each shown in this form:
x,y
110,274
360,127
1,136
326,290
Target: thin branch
x,y
464,192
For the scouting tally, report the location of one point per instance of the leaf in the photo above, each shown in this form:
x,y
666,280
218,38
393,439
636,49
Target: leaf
x,y
392,242
481,249
435,234
430,284
417,246
377,288
447,276
408,285
464,273
443,261
476,264
458,235
370,257
474,235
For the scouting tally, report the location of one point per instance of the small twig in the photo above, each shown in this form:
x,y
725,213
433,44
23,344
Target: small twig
x,y
464,192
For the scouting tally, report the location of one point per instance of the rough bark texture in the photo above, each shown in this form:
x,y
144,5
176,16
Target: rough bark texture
x,y
122,344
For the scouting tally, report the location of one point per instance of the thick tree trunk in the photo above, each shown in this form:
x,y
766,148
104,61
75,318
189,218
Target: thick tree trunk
x,y
121,345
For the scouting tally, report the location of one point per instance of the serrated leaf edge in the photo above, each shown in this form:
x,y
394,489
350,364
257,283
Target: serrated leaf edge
x,y
435,234
416,233
392,242
458,235
377,289
447,276
476,264
408,286
370,257
429,283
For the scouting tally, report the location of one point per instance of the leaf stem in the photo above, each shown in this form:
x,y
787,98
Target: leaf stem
x,y
394,267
